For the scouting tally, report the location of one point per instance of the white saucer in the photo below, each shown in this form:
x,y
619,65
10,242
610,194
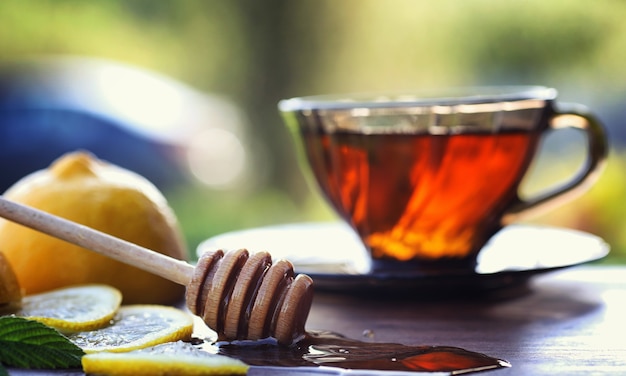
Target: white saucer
x,y
334,257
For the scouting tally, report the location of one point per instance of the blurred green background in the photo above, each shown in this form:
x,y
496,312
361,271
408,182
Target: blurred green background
x,y
251,54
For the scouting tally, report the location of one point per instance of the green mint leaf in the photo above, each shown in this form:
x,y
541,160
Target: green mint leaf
x,y
31,344
3,371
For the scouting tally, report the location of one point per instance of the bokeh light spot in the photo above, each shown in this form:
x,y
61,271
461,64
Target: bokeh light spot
x,y
217,158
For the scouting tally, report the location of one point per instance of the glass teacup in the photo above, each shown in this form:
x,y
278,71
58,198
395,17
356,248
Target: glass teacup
x,y
426,179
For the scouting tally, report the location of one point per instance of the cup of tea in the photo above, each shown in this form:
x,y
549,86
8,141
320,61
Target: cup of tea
x,y
426,179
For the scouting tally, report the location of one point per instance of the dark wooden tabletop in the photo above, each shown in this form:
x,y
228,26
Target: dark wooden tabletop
x,y
568,322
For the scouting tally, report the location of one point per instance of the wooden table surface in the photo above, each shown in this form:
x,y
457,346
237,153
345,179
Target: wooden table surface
x,y
568,322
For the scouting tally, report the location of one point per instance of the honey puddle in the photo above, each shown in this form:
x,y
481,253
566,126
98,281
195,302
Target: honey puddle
x,y
321,348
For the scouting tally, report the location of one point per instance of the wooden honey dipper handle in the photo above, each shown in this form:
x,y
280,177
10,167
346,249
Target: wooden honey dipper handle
x,y
240,296
86,237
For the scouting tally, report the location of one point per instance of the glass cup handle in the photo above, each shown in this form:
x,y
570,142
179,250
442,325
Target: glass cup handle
x,y
577,117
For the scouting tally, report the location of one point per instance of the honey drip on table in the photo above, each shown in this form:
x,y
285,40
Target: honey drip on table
x,y
322,348
250,302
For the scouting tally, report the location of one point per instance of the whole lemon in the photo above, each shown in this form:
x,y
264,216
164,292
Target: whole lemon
x,y
83,189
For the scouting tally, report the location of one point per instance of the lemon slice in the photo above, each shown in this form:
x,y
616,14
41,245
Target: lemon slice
x,y
73,309
136,327
175,358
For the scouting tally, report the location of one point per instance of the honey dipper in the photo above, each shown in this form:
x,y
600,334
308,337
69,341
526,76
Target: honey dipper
x,y
237,294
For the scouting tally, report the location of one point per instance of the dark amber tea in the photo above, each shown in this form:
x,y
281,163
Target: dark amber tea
x,y
427,180
420,196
